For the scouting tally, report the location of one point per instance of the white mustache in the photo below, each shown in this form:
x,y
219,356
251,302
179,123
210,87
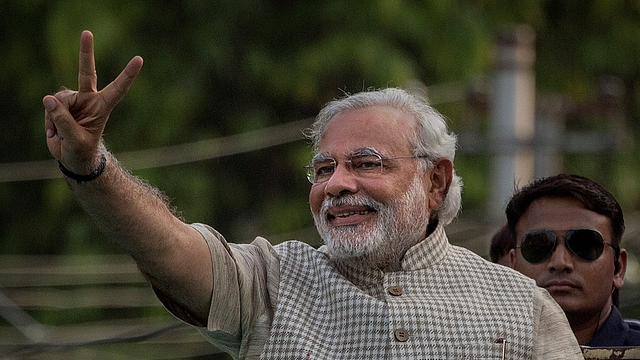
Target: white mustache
x,y
352,200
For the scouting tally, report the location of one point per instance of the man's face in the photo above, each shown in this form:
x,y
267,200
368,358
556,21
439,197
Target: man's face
x,y
582,288
376,218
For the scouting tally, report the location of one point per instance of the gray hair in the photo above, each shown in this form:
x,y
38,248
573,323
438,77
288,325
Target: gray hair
x,y
432,139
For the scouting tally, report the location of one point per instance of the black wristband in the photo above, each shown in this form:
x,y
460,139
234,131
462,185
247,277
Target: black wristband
x,y
85,178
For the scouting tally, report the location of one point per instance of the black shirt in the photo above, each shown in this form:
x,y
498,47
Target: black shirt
x,y
617,332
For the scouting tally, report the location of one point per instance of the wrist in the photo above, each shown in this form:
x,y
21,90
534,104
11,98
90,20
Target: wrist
x,y
92,175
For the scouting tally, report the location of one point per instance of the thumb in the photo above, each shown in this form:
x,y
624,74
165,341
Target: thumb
x,y
67,141
50,104
58,120
64,135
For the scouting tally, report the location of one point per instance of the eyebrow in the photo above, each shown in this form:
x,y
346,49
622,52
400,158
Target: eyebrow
x,y
365,151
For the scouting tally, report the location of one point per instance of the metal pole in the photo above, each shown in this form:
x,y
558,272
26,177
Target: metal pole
x,y
512,125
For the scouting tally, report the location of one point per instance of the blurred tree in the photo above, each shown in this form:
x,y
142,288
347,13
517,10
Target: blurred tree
x,y
218,68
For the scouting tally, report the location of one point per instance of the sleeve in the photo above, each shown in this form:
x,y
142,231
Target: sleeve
x,y
244,287
552,335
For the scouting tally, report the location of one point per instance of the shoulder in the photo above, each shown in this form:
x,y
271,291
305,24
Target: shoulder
x,y
296,248
633,336
294,245
488,269
634,324
297,254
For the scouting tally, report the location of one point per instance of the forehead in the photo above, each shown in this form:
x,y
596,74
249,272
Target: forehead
x,y
386,129
561,214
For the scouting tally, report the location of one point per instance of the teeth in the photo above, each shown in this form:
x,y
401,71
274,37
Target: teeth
x,y
364,212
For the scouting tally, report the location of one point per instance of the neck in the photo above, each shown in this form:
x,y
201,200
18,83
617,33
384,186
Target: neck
x,y
431,227
584,330
388,260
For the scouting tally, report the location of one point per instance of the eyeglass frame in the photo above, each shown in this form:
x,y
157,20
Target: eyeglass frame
x,y
361,153
568,234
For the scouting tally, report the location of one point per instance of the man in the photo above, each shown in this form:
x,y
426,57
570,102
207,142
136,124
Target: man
x,y
568,231
501,245
386,285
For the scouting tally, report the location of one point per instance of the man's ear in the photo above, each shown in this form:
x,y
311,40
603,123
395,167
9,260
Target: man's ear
x,y
621,269
440,179
512,258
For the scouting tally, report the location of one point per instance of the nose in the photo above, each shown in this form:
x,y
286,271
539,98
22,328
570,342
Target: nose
x,y
341,182
561,259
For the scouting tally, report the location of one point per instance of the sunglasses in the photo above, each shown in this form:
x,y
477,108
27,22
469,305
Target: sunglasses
x,y
537,246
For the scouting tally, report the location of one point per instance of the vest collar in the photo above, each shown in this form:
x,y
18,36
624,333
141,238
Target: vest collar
x,y
430,251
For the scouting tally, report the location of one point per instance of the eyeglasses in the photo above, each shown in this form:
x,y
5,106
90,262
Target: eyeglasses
x,y
365,166
587,244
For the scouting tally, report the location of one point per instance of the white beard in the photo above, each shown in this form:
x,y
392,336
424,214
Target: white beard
x,y
399,225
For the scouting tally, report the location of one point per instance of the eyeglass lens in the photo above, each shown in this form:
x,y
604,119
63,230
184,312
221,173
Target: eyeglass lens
x,y
537,246
361,165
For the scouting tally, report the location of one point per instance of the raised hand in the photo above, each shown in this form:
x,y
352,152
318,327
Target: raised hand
x,y
75,120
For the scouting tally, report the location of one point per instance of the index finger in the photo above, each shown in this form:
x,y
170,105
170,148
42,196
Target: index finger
x,y
87,78
115,91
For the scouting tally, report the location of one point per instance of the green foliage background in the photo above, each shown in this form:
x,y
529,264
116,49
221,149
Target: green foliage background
x,y
215,68
218,68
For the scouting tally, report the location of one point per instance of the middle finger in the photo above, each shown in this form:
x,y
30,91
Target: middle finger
x,y
87,78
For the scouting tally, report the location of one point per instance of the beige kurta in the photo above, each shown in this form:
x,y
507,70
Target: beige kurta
x,y
292,301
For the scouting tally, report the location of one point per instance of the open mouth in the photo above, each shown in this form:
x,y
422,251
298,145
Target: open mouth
x,y
344,215
341,213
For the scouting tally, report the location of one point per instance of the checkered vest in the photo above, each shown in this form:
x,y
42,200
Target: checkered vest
x,y
446,303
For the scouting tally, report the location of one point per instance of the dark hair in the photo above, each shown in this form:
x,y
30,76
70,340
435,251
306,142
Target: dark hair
x,y
590,194
501,243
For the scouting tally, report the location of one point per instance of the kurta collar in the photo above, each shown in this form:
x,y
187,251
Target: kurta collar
x,y
430,251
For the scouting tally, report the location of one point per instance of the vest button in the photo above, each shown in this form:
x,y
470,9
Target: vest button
x,y
401,335
395,290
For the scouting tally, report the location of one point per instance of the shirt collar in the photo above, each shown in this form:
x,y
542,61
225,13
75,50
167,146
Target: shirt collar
x,y
428,252
613,331
425,254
